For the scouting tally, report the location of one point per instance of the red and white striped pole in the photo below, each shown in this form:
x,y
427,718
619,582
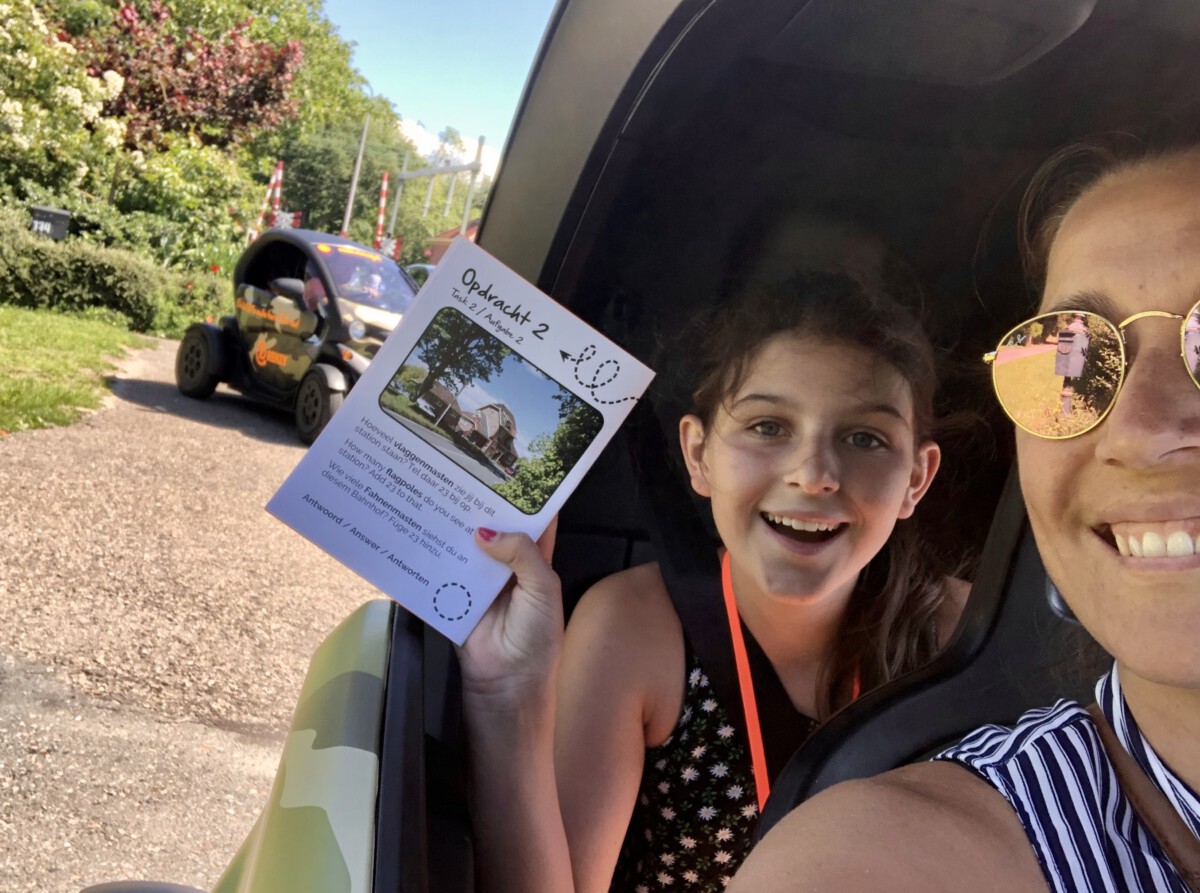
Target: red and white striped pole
x,y
278,194
383,189
272,192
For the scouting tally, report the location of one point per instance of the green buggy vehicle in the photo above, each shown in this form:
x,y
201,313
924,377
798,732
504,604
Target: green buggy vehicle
x,y
310,311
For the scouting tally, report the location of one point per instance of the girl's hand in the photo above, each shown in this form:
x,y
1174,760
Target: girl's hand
x,y
512,655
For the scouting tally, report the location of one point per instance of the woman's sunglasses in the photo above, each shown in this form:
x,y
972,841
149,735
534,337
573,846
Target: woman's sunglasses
x,y
1057,375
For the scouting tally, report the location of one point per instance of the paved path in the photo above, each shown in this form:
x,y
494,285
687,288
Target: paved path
x,y
157,624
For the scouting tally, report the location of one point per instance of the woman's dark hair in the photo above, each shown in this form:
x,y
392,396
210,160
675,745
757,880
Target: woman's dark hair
x,y
888,626
1063,178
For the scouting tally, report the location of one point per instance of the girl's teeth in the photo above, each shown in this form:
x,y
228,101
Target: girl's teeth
x,y
1179,543
1122,546
806,526
1135,547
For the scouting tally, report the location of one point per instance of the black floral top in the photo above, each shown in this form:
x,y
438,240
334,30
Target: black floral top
x,y
694,820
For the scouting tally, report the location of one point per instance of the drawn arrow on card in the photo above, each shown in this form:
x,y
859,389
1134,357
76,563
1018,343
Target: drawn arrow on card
x,y
609,367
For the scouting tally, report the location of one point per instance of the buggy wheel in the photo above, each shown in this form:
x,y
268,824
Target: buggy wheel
x,y
199,362
315,405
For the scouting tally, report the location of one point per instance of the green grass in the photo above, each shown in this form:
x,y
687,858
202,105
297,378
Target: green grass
x,y
52,365
1033,396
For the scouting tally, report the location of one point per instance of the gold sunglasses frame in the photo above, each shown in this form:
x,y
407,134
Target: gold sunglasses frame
x,y
1119,328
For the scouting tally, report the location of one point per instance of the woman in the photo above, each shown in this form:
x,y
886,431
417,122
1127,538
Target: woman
x,y
1112,484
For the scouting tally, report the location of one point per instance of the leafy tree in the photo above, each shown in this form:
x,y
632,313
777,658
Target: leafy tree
x,y
450,147
177,80
554,456
456,351
201,192
318,170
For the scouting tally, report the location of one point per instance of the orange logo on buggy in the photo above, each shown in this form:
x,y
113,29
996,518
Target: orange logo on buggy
x,y
262,313
264,355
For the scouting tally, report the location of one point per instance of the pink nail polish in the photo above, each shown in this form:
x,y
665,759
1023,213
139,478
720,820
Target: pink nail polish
x,y
486,534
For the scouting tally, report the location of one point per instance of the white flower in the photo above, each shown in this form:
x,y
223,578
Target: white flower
x,y
69,96
726,731
724,834
641,888
665,879
709,706
112,133
688,843
687,716
698,752
707,813
90,111
21,141
667,859
749,811
660,765
722,857
691,877
703,681
667,813
694,677
12,115
113,82
725,881
735,792
719,770
663,787
689,773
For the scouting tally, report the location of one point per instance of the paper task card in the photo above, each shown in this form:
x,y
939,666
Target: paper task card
x,y
485,407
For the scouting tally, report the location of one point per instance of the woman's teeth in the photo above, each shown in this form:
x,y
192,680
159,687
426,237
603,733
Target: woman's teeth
x,y
1153,545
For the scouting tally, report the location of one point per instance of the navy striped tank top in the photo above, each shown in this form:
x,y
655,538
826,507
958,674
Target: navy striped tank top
x,y
1053,769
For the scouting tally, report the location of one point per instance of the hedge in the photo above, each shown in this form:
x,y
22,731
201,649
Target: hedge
x,y
76,275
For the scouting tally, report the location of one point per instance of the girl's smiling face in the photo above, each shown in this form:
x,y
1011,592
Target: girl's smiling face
x,y
809,464
1132,243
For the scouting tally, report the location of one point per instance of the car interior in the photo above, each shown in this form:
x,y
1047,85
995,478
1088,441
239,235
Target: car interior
x,y
665,152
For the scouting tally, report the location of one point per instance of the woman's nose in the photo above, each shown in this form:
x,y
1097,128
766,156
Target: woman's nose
x,y
1156,416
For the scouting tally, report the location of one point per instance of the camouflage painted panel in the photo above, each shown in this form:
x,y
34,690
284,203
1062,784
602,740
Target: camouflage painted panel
x,y
317,832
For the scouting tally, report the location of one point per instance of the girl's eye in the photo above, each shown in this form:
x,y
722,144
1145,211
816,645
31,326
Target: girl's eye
x,y
865,440
767,428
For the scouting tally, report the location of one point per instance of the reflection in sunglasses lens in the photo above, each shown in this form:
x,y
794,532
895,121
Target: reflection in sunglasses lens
x,y
1057,375
1191,342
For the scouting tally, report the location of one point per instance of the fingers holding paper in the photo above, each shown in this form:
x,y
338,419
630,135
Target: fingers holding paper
x,y
514,650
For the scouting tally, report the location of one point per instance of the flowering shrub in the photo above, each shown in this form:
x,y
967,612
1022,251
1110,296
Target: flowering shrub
x,y
178,81
53,129
201,195
74,275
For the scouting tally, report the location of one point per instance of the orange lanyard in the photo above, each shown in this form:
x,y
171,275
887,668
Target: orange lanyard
x,y
758,755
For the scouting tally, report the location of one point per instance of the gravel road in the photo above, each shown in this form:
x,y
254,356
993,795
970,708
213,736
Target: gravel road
x,y
156,626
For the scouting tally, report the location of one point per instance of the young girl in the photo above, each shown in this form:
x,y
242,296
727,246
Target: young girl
x,y
810,434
